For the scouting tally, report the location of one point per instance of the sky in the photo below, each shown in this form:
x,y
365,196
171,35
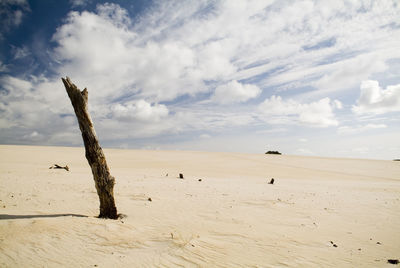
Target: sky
x,y
315,78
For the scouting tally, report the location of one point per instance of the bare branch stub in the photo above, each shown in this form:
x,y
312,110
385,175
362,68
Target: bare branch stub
x,y
104,182
55,166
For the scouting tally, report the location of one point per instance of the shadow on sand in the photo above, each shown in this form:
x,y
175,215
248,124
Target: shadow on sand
x,y
14,217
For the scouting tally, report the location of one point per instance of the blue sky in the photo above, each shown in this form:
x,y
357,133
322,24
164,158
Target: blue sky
x,y
307,77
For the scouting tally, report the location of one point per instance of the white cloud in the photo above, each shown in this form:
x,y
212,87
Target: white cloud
x,y
204,136
161,57
190,55
347,73
11,14
235,92
359,128
104,54
28,105
17,86
78,3
3,67
206,119
114,13
338,104
140,110
272,131
375,100
20,52
33,136
319,113
15,2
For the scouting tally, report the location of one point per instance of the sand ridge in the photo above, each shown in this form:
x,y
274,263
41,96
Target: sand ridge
x,y
231,218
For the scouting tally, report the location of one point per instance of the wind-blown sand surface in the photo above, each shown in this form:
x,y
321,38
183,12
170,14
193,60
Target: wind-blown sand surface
x,y
231,218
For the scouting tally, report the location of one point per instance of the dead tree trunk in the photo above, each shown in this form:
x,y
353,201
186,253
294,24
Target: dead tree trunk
x,y
94,154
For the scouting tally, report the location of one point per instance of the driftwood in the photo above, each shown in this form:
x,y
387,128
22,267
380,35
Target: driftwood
x,y
55,166
104,182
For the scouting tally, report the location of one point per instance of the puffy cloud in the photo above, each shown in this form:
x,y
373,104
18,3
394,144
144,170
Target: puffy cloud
x,y
29,105
160,56
13,87
180,53
375,100
235,92
278,111
102,52
91,41
347,73
116,14
140,110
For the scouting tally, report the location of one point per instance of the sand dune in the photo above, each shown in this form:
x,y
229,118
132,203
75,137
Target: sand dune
x,y
321,212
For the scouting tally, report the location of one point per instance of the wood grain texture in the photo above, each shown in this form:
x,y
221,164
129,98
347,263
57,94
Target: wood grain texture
x,y
94,154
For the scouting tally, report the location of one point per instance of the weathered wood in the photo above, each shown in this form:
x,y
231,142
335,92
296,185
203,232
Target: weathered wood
x,y
55,166
94,154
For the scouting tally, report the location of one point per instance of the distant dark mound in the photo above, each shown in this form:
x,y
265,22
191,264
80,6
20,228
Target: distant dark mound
x,y
272,152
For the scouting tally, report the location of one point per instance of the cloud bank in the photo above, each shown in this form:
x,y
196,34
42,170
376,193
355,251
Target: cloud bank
x,y
234,91
319,113
193,67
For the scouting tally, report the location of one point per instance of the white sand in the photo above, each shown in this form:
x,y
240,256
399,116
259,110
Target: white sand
x,y
232,218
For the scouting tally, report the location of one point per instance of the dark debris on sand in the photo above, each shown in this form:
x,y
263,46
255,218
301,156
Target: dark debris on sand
x,y
393,261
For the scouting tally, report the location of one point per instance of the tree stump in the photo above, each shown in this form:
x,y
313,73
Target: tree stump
x,y
104,182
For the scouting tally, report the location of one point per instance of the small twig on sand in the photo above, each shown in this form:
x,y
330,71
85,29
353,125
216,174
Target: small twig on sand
x,y
55,166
